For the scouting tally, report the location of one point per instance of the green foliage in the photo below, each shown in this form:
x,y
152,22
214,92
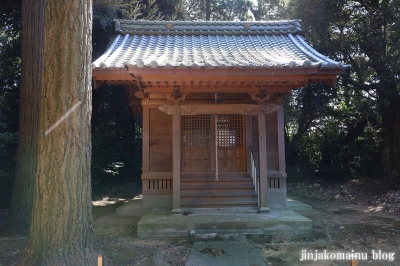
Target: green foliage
x,y
218,10
364,34
268,9
8,144
10,75
104,13
329,137
116,137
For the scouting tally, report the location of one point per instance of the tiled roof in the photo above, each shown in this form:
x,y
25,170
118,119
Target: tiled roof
x,y
186,44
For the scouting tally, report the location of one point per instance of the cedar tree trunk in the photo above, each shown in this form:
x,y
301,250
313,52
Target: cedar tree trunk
x,y
61,231
18,220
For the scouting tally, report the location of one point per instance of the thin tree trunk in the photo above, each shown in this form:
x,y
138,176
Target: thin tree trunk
x,y
391,142
208,10
18,220
61,230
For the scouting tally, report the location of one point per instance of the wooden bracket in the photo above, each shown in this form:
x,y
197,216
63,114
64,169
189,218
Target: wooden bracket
x,y
138,84
176,96
97,83
261,97
141,95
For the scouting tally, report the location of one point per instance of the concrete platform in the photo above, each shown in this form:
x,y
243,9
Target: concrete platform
x,y
158,223
133,207
295,205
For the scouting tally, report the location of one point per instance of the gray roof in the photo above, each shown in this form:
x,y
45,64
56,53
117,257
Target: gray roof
x,y
187,44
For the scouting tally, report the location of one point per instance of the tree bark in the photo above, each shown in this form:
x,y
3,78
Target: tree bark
x,y
391,141
61,230
18,220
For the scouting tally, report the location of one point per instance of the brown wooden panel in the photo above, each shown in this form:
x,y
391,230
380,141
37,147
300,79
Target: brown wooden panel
x,y
187,163
160,141
271,124
272,161
196,159
231,158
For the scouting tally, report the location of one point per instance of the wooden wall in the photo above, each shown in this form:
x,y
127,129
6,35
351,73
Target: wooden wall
x,y
160,141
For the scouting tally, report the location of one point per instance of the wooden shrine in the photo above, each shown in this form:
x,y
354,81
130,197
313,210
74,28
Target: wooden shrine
x,y
211,95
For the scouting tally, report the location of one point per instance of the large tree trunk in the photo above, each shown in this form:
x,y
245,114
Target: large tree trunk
x,y
18,220
391,141
61,230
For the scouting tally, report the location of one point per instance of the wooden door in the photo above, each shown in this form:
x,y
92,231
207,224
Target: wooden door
x,y
199,135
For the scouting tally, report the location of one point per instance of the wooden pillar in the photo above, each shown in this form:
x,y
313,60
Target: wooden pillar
x,y
281,145
262,157
146,141
249,141
176,168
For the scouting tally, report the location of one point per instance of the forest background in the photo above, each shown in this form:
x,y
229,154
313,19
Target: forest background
x,y
331,134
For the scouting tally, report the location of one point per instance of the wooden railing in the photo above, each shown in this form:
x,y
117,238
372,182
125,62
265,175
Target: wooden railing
x,y
255,174
274,183
157,183
276,180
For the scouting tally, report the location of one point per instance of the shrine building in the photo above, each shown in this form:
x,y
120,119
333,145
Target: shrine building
x,y
211,96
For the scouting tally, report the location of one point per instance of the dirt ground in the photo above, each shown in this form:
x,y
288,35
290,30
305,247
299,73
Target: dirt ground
x,y
358,216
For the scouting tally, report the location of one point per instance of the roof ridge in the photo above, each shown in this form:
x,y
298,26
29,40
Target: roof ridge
x,y
207,27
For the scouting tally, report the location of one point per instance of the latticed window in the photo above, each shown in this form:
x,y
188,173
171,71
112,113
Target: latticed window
x,y
230,130
196,130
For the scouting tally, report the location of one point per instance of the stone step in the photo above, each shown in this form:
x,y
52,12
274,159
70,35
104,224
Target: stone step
x,y
254,235
216,185
159,223
212,175
222,179
218,203
236,193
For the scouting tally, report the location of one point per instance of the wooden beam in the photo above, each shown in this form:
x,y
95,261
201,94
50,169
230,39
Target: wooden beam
x,y
157,102
110,71
221,109
118,82
176,153
250,89
111,76
224,71
158,175
262,158
201,89
212,79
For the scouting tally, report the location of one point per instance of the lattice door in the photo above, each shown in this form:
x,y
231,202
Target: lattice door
x,y
197,143
230,139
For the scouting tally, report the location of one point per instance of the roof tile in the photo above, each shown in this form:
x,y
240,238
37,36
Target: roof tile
x,y
186,44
